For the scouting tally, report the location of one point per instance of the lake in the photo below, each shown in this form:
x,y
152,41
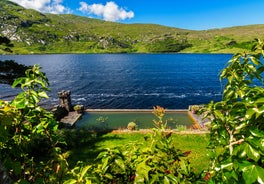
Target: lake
x,y
129,81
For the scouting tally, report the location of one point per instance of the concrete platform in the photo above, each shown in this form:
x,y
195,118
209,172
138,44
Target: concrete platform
x,y
71,119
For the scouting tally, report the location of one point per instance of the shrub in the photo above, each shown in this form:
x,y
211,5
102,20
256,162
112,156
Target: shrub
x,y
181,127
30,148
161,161
10,70
23,126
131,126
237,130
195,109
79,108
168,44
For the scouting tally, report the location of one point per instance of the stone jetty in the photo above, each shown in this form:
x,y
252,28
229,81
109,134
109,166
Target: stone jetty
x,y
64,112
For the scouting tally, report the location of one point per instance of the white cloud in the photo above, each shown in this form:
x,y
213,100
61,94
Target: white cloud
x,y
47,6
110,11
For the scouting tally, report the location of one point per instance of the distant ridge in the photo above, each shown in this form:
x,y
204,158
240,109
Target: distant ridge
x,y
35,32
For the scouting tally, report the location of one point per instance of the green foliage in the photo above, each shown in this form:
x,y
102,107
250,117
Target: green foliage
x,y
159,162
79,108
5,44
24,124
10,70
181,127
237,131
30,149
247,45
79,174
131,126
168,44
195,108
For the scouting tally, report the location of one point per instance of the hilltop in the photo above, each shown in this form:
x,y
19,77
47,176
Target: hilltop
x,y
34,32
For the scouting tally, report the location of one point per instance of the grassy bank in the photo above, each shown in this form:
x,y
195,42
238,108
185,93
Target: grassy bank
x,y
85,146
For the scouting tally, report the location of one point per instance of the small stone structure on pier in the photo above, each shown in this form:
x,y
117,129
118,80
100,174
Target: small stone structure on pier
x,y
64,112
65,100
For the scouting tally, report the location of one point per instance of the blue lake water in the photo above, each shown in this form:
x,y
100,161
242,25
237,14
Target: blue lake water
x,y
129,81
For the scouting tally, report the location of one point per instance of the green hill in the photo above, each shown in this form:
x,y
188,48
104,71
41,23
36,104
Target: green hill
x,y
34,32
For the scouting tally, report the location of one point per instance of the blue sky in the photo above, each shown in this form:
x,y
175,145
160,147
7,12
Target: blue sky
x,y
187,14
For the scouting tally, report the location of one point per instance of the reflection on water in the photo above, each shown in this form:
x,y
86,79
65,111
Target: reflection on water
x,y
130,81
117,120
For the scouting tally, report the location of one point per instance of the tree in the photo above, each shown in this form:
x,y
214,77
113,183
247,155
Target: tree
x,y
10,70
237,129
5,44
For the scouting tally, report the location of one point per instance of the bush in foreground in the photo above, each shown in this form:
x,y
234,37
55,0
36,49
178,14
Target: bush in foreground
x,y
237,129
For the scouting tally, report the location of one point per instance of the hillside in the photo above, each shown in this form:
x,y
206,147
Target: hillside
x,y
34,32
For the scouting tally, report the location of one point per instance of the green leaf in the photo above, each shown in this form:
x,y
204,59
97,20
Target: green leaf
x,y
249,113
251,152
251,172
43,94
84,171
260,100
70,181
259,111
102,154
257,133
254,60
121,164
183,167
232,175
154,179
42,83
166,180
20,103
109,176
105,164
241,93
34,97
173,178
228,165
240,127
18,81
229,94
142,172
260,70
40,129
26,83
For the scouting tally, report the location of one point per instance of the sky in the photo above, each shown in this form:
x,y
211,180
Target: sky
x,y
186,14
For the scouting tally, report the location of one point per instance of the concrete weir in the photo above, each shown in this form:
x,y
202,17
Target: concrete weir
x,y
133,110
71,119
68,115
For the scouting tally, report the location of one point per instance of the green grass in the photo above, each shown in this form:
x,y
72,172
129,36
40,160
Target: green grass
x,y
85,146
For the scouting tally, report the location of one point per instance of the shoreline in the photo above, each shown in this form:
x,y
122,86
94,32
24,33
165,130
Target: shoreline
x,y
133,110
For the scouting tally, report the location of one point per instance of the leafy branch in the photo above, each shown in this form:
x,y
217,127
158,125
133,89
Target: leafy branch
x,y
237,121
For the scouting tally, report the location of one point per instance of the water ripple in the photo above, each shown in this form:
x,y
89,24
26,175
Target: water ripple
x,y
129,80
